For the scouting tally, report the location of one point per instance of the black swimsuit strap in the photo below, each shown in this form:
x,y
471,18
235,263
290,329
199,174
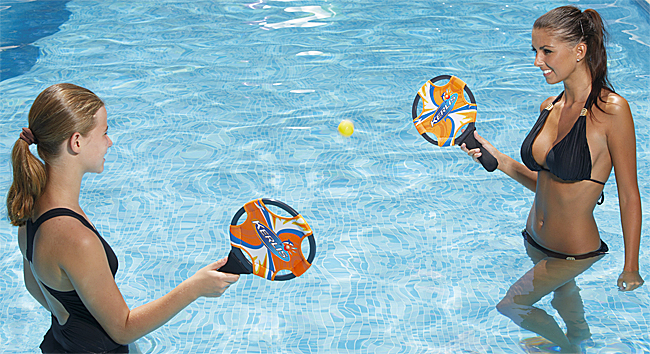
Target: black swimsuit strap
x,y
582,113
53,213
32,227
599,182
558,97
550,106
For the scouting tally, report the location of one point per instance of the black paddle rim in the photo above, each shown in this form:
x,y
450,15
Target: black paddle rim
x,y
470,127
246,264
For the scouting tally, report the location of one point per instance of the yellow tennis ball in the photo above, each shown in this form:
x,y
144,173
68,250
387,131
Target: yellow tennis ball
x,y
346,128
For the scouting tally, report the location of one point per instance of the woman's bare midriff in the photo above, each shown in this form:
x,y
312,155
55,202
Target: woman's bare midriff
x,y
561,218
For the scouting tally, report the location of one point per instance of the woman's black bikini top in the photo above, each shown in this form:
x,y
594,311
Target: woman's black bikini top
x,y
569,159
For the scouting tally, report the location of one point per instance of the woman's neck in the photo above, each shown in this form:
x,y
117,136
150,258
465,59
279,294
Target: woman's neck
x,y
577,87
62,189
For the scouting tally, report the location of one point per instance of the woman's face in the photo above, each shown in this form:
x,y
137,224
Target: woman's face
x,y
557,59
98,142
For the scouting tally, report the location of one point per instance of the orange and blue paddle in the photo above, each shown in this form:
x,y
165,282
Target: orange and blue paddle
x,y
448,112
269,245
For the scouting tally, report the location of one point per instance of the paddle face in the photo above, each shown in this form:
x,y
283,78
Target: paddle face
x,y
269,245
448,114
446,110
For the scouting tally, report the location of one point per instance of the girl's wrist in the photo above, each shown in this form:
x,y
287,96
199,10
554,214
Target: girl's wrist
x,y
631,268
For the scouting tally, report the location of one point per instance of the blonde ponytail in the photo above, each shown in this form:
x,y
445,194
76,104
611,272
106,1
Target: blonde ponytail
x,y
28,184
57,113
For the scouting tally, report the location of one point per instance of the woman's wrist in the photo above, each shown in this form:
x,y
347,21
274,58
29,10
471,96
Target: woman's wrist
x,y
190,288
631,267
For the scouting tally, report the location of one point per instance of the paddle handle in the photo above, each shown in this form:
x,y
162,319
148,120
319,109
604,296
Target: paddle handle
x,y
487,160
234,265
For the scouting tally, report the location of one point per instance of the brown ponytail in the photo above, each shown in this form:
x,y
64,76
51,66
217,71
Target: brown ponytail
x,y
29,181
575,26
57,113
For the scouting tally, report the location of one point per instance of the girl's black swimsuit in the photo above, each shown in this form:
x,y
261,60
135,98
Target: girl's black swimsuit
x,y
599,252
81,333
570,159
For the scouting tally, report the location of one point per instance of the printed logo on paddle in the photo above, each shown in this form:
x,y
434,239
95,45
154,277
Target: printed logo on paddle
x,y
271,241
444,109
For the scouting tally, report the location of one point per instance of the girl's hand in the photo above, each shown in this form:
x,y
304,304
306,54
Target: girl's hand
x,y
629,281
476,153
211,283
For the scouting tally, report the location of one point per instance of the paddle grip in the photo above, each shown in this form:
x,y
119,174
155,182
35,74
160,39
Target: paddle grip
x,y
234,265
487,160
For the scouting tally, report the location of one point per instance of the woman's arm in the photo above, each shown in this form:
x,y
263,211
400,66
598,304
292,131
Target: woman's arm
x,y
32,285
507,165
621,143
30,281
83,259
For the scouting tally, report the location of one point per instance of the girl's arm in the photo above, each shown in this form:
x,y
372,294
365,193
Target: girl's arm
x,y
507,165
30,281
621,143
83,260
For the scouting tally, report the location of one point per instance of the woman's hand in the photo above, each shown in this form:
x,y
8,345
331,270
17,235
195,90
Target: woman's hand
x,y
629,281
505,164
476,153
211,283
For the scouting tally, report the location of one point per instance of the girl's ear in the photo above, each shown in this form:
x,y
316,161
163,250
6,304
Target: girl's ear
x,y
74,143
581,51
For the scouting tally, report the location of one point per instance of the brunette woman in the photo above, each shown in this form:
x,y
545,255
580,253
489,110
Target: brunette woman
x,y
580,135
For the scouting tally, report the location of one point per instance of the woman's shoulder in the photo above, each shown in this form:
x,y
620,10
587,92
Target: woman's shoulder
x,y
60,232
71,247
547,102
67,237
68,230
613,104
614,115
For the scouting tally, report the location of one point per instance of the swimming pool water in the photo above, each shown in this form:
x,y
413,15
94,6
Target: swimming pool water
x,y
213,104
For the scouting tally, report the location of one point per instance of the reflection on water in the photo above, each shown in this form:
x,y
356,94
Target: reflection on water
x,y
318,13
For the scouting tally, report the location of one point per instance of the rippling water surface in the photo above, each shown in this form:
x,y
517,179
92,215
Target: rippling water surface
x,y
215,103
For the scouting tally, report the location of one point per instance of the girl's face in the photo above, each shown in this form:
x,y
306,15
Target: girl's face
x,y
97,143
557,59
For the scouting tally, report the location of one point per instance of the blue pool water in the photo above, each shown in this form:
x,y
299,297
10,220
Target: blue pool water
x,y
22,23
215,103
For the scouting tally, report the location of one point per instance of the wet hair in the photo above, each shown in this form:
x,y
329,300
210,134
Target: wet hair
x,y
574,26
56,114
